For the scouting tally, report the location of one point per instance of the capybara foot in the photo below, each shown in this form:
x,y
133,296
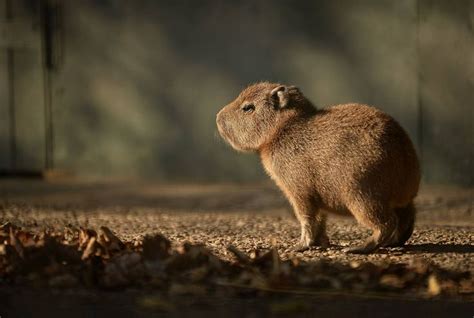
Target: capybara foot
x,y
367,248
301,247
320,242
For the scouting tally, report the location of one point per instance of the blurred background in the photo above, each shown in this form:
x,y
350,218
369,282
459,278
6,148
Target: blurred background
x,y
131,88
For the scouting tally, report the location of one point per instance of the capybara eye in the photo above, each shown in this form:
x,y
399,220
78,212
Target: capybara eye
x,y
248,108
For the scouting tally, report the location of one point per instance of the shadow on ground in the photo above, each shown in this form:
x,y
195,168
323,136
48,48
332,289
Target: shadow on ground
x,y
440,248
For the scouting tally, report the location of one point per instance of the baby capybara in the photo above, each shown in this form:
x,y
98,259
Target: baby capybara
x,y
345,159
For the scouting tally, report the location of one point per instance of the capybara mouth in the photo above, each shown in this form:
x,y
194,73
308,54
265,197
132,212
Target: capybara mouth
x,y
227,138
221,127
226,134
221,130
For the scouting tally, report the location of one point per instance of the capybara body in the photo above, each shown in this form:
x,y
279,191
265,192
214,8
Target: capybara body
x,y
344,159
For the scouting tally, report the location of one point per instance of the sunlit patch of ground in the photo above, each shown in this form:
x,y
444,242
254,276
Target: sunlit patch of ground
x,y
248,217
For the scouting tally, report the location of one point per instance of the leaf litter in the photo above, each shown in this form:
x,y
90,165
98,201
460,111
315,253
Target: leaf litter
x,y
89,258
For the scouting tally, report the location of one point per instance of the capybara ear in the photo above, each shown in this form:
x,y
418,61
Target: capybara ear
x,y
281,95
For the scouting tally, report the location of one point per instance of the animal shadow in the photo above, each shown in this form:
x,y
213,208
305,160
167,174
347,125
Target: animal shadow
x,y
440,248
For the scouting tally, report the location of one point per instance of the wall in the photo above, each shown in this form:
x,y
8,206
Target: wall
x,y
141,81
21,83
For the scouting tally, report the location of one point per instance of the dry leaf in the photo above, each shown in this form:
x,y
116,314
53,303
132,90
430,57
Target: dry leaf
x,y
16,244
156,247
91,248
60,258
434,287
392,281
84,236
109,241
241,256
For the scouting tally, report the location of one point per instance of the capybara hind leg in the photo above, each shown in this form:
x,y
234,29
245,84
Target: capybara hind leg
x,y
321,238
406,222
383,223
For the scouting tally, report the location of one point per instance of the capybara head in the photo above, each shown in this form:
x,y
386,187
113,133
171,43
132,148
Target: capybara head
x,y
260,111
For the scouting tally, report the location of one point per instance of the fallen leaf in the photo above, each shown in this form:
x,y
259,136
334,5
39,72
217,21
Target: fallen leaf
x,y
434,287
16,244
90,249
241,256
156,247
392,281
109,241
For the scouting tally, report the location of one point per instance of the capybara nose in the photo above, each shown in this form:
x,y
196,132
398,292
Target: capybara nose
x,y
219,118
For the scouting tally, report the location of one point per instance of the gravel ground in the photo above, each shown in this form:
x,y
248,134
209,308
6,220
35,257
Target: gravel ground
x,y
246,216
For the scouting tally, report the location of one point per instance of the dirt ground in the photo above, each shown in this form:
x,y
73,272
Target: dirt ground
x,y
246,216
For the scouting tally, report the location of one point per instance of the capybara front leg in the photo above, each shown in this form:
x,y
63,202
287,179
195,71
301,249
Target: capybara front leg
x,y
313,225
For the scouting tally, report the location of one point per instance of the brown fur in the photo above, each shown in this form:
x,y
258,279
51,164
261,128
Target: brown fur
x,y
346,159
